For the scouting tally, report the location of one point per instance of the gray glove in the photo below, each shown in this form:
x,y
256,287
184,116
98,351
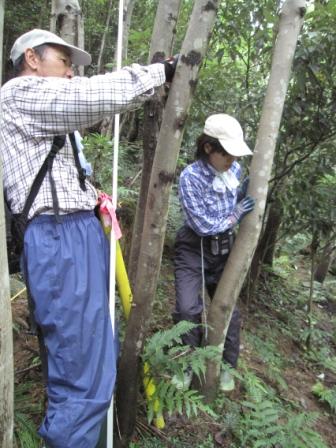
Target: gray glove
x,y
242,208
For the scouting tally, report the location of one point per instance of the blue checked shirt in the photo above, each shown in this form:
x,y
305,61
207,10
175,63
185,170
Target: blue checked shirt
x,y
206,210
34,109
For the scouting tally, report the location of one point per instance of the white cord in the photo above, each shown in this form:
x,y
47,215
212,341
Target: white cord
x,y
109,437
205,320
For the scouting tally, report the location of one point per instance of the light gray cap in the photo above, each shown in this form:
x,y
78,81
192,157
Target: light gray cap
x,y
38,37
229,133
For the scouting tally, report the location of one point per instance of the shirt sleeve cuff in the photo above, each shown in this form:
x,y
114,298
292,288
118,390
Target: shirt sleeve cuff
x,y
157,73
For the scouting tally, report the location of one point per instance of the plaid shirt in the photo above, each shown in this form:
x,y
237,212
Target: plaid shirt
x,y
35,109
206,210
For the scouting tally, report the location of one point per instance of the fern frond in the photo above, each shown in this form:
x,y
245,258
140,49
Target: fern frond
x,y
164,339
260,423
330,363
25,431
298,432
325,394
172,400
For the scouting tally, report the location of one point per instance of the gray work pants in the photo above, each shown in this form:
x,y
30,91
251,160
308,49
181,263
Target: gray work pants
x,y
188,283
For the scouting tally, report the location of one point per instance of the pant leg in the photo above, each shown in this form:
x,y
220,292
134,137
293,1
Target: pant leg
x,y
188,280
67,267
232,341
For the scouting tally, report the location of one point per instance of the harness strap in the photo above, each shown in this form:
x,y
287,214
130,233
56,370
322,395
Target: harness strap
x,y
50,162
80,169
57,144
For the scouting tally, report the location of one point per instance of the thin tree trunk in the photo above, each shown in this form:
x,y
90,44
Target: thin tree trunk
x,y
2,12
107,126
314,245
169,142
161,47
44,9
264,253
128,11
6,341
80,39
103,41
236,268
325,261
66,20
62,19
6,330
127,18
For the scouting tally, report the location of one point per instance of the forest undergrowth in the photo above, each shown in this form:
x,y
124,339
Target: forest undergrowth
x,y
285,395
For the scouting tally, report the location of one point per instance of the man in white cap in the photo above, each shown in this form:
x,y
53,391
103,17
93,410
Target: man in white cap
x,y
65,255
213,204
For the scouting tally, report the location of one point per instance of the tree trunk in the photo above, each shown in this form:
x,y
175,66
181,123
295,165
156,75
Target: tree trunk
x,y
271,232
264,253
127,18
80,39
128,11
161,47
6,341
314,246
6,331
2,12
107,125
327,257
169,142
236,268
102,46
66,20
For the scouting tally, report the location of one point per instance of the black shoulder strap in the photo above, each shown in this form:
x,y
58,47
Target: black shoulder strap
x,y
57,144
81,171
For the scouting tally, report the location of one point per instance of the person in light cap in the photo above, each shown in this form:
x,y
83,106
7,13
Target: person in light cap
x,y
213,203
37,37
66,254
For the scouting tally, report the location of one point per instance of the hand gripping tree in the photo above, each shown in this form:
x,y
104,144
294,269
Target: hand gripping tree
x,y
239,261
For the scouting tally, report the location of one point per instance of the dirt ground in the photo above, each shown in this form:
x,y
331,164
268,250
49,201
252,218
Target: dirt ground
x,y
299,376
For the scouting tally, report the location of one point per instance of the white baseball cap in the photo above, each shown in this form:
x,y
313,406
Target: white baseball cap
x,y
229,133
38,37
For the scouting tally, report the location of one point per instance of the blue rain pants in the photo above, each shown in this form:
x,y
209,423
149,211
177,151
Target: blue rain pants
x,y
67,268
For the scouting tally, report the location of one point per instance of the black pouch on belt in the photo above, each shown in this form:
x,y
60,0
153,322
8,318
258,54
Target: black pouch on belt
x,y
221,243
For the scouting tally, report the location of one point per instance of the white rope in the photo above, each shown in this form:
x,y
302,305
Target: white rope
x,y
109,436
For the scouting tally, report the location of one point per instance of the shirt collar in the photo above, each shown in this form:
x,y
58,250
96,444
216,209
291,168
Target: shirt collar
x,y
221,181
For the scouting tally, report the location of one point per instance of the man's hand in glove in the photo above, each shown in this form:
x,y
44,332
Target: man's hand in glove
x,y
242,208
170,66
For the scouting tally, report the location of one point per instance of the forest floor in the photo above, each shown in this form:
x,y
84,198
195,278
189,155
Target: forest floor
x,y
273,353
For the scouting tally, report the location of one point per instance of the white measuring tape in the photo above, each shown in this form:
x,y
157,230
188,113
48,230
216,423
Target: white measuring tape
x,y
109,437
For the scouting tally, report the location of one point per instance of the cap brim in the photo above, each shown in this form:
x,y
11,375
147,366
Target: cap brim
x,y
234,148
79,57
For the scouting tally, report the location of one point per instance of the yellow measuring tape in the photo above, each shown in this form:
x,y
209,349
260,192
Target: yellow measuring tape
x,y
126,298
